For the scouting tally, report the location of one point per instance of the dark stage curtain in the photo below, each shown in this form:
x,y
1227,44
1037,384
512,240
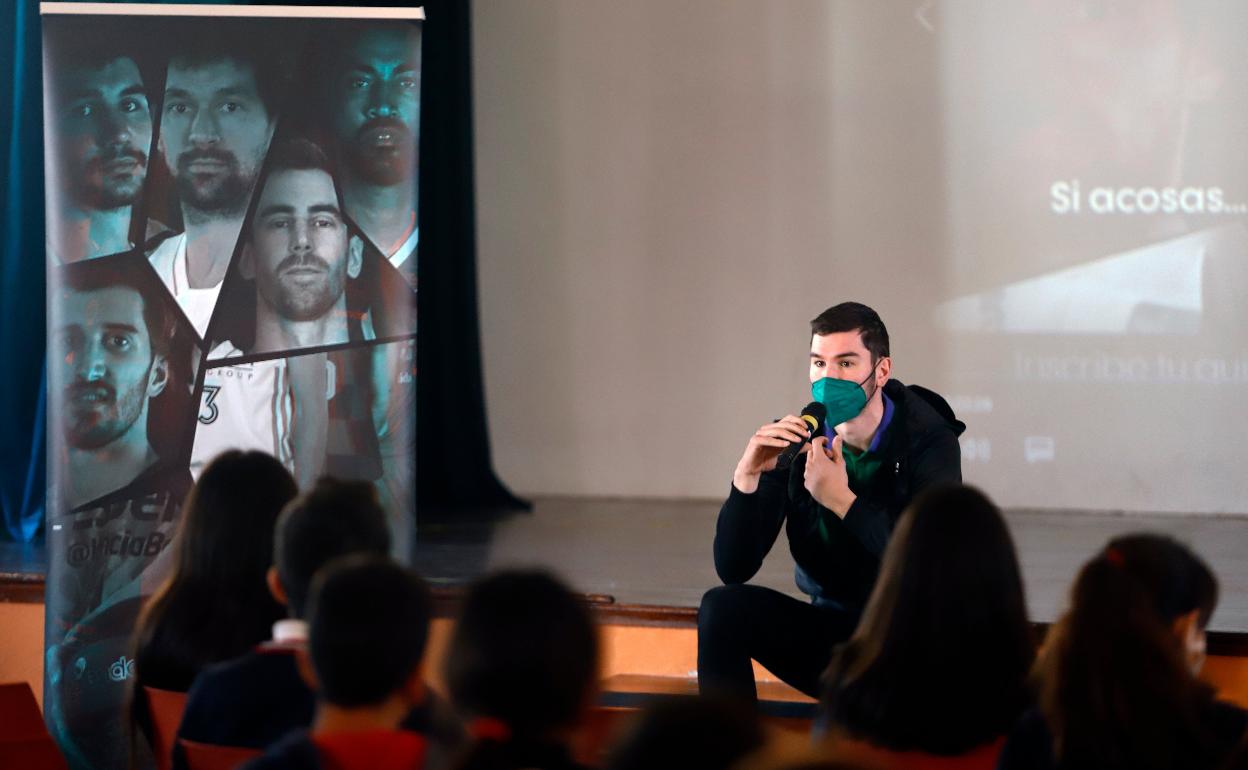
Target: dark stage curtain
x,y
22,268
454,469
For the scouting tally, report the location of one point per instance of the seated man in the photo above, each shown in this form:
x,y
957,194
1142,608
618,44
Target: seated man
x,y
883,443
255,700
366,668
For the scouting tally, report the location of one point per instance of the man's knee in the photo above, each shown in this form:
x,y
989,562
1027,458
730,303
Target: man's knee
x,y
723,609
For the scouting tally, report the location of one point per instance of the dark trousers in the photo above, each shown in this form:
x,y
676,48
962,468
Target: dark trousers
x,y
791,638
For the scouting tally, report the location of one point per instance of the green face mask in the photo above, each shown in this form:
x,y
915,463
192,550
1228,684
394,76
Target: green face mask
x,y
844,399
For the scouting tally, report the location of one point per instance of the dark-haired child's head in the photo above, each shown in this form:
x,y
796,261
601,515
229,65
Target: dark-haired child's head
x,y
695,732
1168,577
231,510
335,518
1143,588
525,653
368,623
1116,679
940,659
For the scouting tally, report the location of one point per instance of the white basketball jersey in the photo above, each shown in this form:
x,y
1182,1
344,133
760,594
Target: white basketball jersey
x,y
244,406
169,261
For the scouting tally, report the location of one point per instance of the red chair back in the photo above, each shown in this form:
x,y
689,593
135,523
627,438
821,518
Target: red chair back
x,y
208,756
20,717
32,754
863,754
166,708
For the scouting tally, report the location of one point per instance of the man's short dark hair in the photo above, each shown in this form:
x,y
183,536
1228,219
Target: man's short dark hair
x,y
368,624
247,43
297,153
850,317
330,49
96,275
91,44
336,518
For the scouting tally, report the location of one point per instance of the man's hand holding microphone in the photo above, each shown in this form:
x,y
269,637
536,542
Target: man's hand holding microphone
x,y
775,444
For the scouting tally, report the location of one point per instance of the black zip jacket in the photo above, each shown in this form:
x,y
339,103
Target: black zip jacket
x,y
919,449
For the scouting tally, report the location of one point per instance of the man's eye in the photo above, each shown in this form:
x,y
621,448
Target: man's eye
x,y
359,82
408,83
279,224
118,342
228,107
178,108
846,364
81,110
133,105
819,364
324,222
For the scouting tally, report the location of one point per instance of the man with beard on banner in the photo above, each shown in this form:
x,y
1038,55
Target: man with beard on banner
x,y
341,412
301,255
374,118
219,112
101,138
112,519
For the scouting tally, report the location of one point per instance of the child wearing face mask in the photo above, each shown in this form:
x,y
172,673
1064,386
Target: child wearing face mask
x,y
1116,681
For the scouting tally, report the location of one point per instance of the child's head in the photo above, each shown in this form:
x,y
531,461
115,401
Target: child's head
x,y
335,518
524,653
368,622
1117,676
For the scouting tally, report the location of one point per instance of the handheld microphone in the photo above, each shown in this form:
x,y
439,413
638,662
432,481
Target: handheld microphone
x,y
813,415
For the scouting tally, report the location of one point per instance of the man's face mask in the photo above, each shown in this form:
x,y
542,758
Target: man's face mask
x,y
844,399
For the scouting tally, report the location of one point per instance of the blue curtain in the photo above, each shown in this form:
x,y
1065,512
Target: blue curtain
x,y
22,267
22,288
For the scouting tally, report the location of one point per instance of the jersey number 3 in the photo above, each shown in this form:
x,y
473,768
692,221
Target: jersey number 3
x,y
209,411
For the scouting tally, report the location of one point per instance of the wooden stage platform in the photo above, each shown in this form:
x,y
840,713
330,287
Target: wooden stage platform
x,y
654,556
644,565
650,560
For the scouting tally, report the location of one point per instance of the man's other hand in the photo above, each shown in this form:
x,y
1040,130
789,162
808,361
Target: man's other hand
x,y
826,478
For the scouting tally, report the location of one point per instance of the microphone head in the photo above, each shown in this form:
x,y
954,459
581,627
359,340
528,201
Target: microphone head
x,y
814,416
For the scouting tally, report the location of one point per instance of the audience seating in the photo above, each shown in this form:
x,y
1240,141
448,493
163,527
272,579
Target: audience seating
x,y
24,739
860,754
207,756
32,754
166,708
20,717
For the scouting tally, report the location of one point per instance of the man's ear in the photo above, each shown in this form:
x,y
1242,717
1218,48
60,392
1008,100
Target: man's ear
x,y
158,377
307,672
274,583
885,369
355,256
247,262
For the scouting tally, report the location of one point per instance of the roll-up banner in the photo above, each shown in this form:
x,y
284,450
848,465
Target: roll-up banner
x,y
231,251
